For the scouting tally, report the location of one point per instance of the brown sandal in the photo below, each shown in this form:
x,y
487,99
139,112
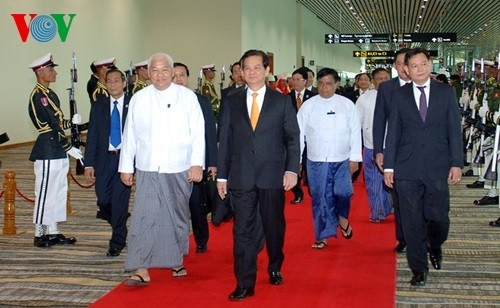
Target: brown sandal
x,y
318,245
179,272
131,282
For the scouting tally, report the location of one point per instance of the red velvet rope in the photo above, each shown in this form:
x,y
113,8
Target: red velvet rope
x,y
24,196
79,184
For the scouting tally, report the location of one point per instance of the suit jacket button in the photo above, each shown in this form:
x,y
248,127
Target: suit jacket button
x,y
253,152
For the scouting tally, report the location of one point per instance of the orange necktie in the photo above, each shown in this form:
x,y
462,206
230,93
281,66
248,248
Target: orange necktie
x,y
298,101
254,113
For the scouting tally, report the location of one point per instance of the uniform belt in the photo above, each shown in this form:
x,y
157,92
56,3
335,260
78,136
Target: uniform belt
x,y
114,151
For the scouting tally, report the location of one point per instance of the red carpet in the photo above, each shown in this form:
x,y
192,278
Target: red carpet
x,y
358,272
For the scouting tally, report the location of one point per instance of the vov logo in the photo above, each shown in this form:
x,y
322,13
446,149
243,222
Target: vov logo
x,y
43,28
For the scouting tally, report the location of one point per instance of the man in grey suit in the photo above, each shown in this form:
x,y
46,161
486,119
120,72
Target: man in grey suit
x,y
381,115
258,160
423,154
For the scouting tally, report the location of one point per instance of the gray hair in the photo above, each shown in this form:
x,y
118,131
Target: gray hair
x,y
161,55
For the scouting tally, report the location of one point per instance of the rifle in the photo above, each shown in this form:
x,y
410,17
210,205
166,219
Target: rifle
x,y
200,79
130,73
75,128
222,78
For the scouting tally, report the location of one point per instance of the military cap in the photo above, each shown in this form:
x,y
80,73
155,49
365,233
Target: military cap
x,y
43,62
109,62
270,78
209,67
143,64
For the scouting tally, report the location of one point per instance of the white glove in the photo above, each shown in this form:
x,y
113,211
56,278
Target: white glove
x,y
496,116
77,119
76,153
483,110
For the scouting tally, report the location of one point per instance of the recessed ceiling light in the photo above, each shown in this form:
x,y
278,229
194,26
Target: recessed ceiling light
x,y
423,6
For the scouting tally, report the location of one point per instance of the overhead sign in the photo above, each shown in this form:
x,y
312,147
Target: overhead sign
x,y
382,53
334,38
372,54
378,61
424,37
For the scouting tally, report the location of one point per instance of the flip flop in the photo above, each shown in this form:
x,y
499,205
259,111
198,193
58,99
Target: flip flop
x,y
179,273
131,282
318,245
344,231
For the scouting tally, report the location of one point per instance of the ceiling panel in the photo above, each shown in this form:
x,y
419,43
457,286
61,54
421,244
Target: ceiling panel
x,y
476,22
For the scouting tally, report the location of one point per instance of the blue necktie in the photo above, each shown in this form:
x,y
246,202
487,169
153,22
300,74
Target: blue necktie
x,y
422,103
115,135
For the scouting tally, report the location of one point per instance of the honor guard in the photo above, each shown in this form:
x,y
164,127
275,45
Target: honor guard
x,y
141,69
92,83
102,67
50,156
208,88
493,98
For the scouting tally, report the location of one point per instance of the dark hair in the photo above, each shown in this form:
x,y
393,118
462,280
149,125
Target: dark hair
x,y
454,77
177,64
115,70
92,68
232,65
361,74
302,71
400,52
258,53
378,70
442,78
307,70
328,71
415,51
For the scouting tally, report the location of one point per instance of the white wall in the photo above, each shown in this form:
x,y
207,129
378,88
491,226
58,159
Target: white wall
x,y
97,32
336,56
271,27
195,32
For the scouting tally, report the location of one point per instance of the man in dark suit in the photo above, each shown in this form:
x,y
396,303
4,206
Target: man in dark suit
x,y
237,83
198,200
102,155
298,96
381,115
310,80
258,160
423,154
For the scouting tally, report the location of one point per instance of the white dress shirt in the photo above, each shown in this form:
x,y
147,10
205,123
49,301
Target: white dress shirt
x,y
417,92
260,99
119,106
366,109
331,128
164,131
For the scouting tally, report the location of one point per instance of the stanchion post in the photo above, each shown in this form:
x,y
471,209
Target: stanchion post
x,y
9,188
69,211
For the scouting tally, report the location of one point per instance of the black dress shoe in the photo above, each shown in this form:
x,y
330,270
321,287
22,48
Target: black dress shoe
x,y
468,173
42,241
59,239
486,200
275,278
297,200
495,223
113,252
436,256
201,248
476,184
241,293
419,279
400,248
